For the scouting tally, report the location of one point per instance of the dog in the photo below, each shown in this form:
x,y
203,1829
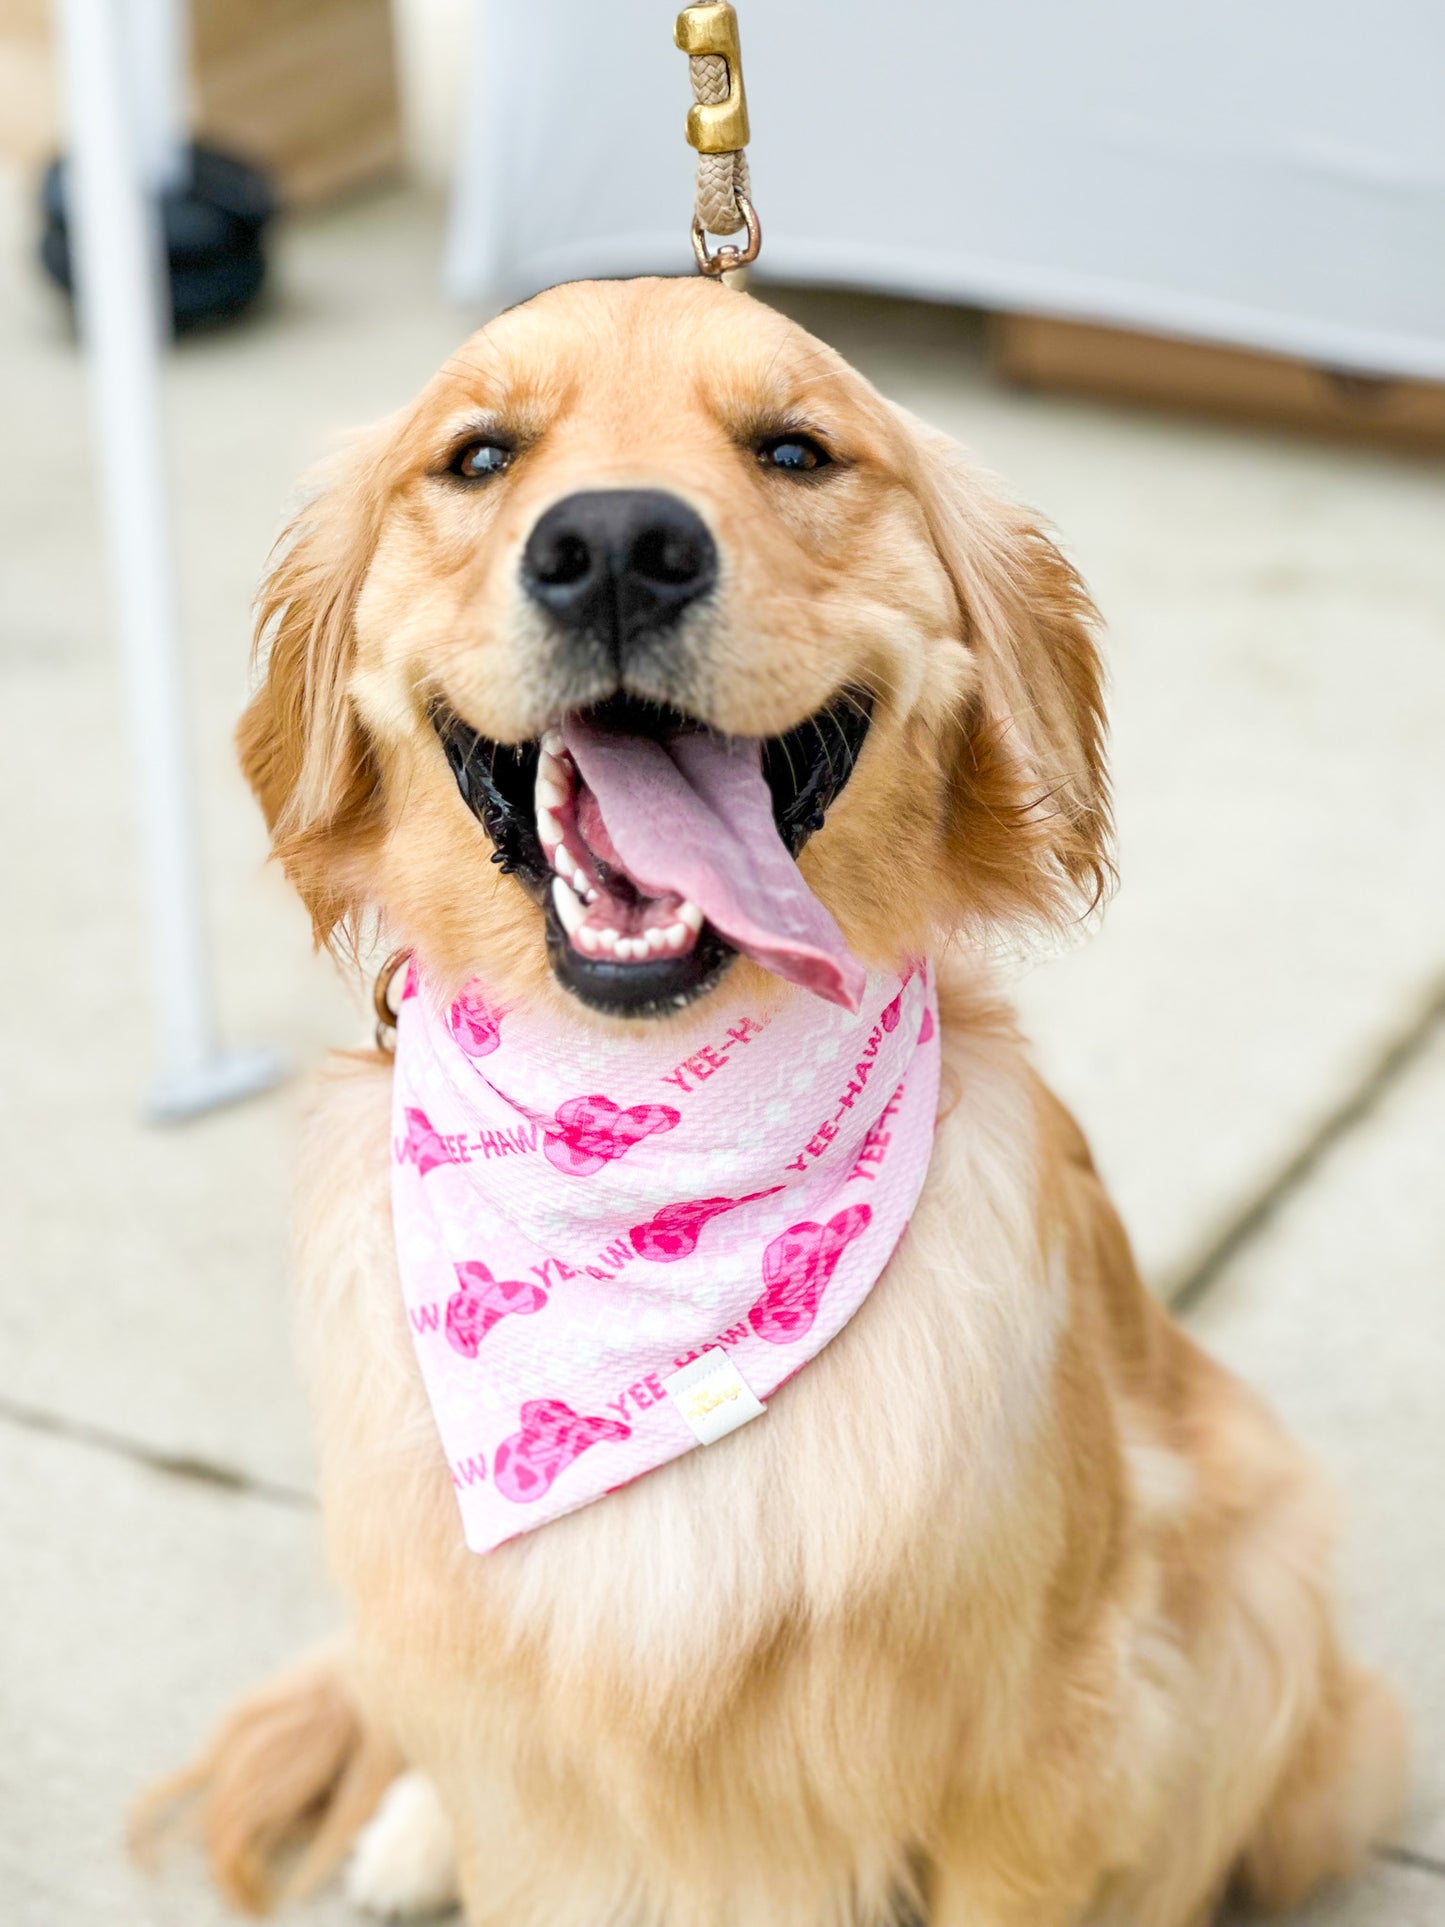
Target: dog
x,y
1014,1609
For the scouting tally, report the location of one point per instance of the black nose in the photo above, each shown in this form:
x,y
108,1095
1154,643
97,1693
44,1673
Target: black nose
x,y
615,563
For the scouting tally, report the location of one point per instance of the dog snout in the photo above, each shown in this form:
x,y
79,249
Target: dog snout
x,y
616,564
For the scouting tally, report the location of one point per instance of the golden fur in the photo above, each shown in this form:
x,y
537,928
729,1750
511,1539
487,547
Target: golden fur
x,y
1037,1628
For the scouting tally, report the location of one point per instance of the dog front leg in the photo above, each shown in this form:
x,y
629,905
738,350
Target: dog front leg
x,y
404,1864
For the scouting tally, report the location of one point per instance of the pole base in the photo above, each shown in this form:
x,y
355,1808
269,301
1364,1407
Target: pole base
x,y
214,227
225,1078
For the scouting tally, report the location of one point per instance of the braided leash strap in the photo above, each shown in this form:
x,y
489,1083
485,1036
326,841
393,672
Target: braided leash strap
x,y
721,178
717,127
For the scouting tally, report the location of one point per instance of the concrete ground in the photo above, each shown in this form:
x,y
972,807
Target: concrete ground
x,y
1254,1041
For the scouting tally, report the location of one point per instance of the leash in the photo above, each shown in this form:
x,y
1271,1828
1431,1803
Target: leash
x,y
717,127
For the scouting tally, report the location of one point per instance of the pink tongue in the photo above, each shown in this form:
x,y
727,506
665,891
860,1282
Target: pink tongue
x,y
695,817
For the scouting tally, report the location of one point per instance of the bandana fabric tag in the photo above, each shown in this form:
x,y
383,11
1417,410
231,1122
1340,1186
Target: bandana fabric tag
x,y
712,1396
609,1256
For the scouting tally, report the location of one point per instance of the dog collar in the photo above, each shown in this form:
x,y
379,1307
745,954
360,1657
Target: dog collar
x,y
609,1256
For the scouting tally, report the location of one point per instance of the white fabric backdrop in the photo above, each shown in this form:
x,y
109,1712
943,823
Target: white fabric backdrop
x,y
1266,172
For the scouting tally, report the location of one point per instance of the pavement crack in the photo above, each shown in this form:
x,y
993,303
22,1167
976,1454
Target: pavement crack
x,y
1357,1106
192,1468
1408,1857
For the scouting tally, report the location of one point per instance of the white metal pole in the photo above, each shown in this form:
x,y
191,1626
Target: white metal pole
x,y
117,265
157,56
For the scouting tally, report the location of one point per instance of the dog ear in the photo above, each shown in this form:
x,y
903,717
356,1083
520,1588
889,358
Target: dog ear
x,y
1029,824
302,747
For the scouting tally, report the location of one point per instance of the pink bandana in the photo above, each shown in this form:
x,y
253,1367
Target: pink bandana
x,y
608,1256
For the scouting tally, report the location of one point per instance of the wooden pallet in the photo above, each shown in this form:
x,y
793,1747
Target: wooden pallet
x,y
1080,358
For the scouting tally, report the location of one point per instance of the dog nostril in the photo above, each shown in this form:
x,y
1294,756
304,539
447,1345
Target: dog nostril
x,y
668,556
565,560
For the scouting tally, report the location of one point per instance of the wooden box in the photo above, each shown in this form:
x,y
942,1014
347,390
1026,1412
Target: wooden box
x,y
307,88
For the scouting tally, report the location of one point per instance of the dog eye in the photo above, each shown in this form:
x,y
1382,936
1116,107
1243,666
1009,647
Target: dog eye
x,y
488,455
795,453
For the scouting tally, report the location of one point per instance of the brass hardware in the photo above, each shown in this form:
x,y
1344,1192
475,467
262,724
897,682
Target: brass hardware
x,y
381,1000
728,257
722,129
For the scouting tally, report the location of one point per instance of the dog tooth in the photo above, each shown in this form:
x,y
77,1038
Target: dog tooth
x,y
550,795
675,936
656,940
548,828
690,915
568,908
607,937
552,742
587,940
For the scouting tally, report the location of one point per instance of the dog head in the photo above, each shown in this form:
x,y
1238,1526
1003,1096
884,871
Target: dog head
x,y
633,527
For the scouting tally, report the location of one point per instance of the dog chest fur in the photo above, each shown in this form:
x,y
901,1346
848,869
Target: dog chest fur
x,y
775,1622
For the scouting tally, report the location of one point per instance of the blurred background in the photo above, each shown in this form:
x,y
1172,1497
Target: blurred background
x,y
1177,275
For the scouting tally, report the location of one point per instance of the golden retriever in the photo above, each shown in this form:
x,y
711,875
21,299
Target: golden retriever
x,y
1037,1628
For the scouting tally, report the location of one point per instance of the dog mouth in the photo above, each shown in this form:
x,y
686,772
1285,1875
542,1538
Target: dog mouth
x,y
659,849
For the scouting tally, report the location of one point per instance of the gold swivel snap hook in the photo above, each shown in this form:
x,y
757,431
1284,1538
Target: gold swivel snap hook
x,y
717,127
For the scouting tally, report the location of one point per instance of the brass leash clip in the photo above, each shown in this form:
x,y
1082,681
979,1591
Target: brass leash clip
x,y
717,127
713,29
728,257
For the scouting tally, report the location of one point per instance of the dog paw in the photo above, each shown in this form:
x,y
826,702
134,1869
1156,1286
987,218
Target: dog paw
x,y
403,1866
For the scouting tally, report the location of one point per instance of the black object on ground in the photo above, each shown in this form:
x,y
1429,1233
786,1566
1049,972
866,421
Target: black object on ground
x,y
214,224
